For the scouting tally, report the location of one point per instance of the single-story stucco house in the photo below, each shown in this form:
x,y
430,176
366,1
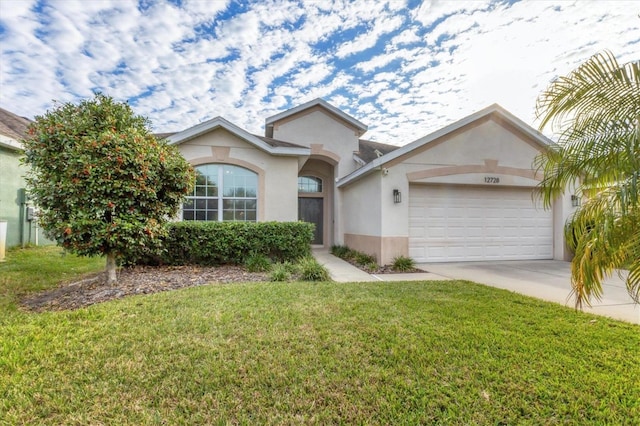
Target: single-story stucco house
x,y
462,193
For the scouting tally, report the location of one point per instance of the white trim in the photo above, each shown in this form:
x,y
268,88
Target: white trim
x,y
358,160
322,103
495,108
217,122
220,198
10,143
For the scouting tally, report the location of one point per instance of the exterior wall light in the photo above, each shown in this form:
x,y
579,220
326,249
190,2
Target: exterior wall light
x,y
397,196
575,201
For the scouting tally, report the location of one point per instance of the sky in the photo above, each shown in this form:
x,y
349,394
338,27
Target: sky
x,y
404,68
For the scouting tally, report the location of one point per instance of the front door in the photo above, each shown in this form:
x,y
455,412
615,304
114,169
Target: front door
x,y
310,210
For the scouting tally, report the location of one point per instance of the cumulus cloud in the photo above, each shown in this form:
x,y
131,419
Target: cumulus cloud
x,y
403,69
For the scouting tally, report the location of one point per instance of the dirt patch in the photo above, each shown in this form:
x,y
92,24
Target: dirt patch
x,y
138,280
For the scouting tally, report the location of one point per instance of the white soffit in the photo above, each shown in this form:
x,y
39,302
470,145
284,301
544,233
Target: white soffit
x,y
10,143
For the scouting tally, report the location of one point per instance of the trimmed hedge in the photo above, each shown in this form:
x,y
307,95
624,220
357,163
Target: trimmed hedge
x,y
218,243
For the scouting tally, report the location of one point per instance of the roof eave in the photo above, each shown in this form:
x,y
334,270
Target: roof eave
x,y
288,151
219,122
7,142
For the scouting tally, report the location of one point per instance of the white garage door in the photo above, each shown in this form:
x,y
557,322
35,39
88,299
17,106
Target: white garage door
x,y
451,223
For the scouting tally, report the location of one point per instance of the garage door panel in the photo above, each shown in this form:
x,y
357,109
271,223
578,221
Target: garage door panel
x,y
477,223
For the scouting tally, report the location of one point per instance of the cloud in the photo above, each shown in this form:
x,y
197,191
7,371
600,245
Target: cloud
x,y
403,69
370,38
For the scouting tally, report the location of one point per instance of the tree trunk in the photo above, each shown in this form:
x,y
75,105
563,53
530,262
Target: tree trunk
x,y
111,269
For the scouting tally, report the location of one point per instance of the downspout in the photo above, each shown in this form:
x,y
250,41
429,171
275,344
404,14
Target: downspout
x,y
21,219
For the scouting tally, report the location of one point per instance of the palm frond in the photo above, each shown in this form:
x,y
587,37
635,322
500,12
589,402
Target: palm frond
x,y
605,235
595,111
600,91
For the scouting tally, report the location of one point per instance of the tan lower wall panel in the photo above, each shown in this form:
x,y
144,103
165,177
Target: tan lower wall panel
x,y
393,247
383,248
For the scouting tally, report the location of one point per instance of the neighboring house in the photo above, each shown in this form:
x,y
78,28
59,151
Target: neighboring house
x,y
462,193
14,208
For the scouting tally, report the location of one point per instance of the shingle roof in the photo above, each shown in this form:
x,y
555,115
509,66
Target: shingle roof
x,y
13,126
278,143
367,152
164,135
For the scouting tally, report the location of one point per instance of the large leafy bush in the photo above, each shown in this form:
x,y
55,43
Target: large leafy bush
x,y
104,184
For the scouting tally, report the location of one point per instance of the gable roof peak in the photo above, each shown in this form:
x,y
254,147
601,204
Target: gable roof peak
x,y
523,127
317,102
270,146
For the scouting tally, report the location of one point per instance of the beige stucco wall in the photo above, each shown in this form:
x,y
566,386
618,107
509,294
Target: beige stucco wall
x,y
486,149
277,175
361,207
373,223
467,157
324,134
384,249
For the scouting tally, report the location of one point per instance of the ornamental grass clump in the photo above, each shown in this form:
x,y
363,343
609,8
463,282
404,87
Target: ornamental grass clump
x,y
312,270
258,263
340,251
280,272
403,264
364,259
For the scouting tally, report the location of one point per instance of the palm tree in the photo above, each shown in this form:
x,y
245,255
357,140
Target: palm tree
x,y
595,113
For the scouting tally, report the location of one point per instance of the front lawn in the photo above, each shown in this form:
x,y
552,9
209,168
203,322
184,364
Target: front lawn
x,y
40,268
300,353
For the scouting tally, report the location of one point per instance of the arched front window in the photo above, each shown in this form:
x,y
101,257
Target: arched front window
x,y
309,184
222,193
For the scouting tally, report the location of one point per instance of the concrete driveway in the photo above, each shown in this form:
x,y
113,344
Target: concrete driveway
x,y
544,279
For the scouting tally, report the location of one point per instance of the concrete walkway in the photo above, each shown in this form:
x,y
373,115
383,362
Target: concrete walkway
x,y
548,280
344,272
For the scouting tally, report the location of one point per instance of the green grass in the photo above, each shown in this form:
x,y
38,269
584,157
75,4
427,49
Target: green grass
x,y
300,353
38,268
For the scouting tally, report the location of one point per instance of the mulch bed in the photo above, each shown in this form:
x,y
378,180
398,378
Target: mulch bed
x,y
137,280
144,280
383,269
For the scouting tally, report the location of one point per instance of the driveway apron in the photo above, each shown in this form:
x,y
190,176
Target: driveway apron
x,y
544,279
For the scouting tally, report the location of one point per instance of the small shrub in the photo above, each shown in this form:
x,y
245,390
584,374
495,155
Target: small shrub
x,y
403,264
258,263
280,272
311,270
350,254
364,258
340,251
343,252
292,268
371,267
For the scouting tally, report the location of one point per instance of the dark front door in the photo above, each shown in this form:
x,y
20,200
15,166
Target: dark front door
x,y
310,210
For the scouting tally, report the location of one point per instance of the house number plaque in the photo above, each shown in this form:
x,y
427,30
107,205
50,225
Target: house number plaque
x,y
491,179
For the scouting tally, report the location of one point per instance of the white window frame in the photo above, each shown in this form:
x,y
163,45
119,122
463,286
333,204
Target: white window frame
x,y
220,198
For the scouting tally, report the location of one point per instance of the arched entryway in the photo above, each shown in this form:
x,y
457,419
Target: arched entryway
x,y
315,198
